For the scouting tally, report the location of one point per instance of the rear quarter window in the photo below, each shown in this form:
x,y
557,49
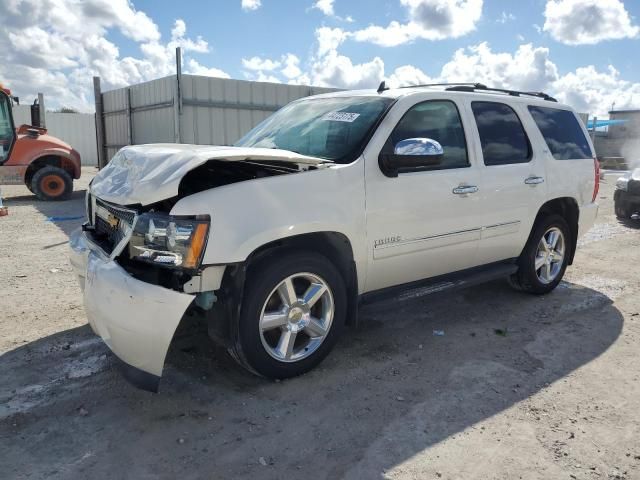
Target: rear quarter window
x,y
562,133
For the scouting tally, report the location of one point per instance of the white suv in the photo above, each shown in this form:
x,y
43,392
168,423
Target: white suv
x,y
333,200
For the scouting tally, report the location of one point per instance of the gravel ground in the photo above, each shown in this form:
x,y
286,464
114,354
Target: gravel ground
x,y
557,395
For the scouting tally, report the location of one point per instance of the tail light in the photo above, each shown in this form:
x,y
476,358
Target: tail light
x,y
596,185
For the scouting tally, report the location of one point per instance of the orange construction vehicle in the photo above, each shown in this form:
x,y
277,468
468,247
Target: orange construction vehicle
x,y
31,157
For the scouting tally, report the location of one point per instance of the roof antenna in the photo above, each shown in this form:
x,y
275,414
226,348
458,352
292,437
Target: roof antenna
x,y
382,87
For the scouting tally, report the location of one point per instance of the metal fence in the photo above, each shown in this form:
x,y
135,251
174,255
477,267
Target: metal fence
x,y
76,129
187,109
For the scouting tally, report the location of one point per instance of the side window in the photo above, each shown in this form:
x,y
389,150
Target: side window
x,y
562,132
437,120
502,135
7,132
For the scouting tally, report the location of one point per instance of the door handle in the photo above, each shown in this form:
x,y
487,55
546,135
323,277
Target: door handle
x,y
534,180
465,189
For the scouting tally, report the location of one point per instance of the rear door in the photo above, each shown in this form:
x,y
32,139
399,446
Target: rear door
x,y
569,155
513,178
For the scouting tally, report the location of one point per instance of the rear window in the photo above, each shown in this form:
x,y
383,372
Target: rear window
x,y
562,132
502,136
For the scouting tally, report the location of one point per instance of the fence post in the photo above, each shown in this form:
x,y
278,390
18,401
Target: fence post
x,y
100,138
177,97
129,119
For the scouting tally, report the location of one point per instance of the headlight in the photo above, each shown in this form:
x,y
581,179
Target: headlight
x,y
622,183
169,241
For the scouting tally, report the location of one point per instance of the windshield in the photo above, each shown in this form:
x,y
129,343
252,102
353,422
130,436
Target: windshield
x,y
330,128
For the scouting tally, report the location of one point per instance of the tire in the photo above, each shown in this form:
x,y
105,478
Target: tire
x,y
541,281
260,345
52,183
621,207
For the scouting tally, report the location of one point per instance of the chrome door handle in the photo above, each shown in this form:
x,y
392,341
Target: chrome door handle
x,y
534,180
465,189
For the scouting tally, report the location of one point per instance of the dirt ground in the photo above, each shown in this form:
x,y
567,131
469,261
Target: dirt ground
x,y
556,396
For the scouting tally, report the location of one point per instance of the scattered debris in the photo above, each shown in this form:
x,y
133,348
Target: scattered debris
x,y
438,333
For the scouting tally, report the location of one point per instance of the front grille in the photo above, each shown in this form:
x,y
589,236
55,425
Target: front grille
x,y
111,224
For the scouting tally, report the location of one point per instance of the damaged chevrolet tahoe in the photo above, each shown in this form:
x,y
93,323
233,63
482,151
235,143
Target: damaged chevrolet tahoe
x,y
334,200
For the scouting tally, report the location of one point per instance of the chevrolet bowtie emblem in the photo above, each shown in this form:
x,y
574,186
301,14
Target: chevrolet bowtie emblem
x,y
112,220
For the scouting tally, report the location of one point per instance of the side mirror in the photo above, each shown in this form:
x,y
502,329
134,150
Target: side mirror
x,y
419,147
411,155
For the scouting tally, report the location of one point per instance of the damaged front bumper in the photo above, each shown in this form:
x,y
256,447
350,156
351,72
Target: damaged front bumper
x,y
137,320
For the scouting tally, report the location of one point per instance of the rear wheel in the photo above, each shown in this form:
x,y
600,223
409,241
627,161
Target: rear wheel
x,y
52,183
544,259
292,314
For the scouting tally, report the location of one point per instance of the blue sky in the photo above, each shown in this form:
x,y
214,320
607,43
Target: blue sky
x,y
583,51
289,25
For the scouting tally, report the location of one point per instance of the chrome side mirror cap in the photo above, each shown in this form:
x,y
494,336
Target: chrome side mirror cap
x,y
419,146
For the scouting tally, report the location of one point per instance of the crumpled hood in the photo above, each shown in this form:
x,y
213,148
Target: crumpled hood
x,y
145,174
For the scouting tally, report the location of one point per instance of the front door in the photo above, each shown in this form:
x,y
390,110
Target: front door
x,y
425,222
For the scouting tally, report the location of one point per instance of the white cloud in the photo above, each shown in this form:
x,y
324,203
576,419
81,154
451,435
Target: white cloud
x,y
506,17
335,70
576,22
248,5
291,68
589,90
428,19
194,68
409,75
265,77
528,68
267,70
329,39
531,69
60,44
325,6
257,63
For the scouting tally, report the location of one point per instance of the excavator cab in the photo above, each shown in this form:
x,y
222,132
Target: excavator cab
x,y
7,128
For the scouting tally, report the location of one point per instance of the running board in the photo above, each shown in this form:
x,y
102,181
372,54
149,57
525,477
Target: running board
x,y
443,283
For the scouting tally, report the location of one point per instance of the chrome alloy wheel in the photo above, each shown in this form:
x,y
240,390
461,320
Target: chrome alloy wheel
x,y
296,317
550,255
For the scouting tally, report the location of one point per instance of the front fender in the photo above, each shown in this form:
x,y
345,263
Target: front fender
x,y
250,214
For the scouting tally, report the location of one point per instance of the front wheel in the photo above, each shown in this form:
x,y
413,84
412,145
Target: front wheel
x,y
52,183
292,314
544,259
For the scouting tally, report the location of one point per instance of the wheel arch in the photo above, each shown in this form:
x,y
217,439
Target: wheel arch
x,y
568,208
51,160
335,246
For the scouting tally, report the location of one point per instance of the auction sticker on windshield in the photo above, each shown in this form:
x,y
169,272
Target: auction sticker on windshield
x,y
341,116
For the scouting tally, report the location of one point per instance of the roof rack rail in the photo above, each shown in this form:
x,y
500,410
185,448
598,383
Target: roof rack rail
x,y
447,84
513,93
472,87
